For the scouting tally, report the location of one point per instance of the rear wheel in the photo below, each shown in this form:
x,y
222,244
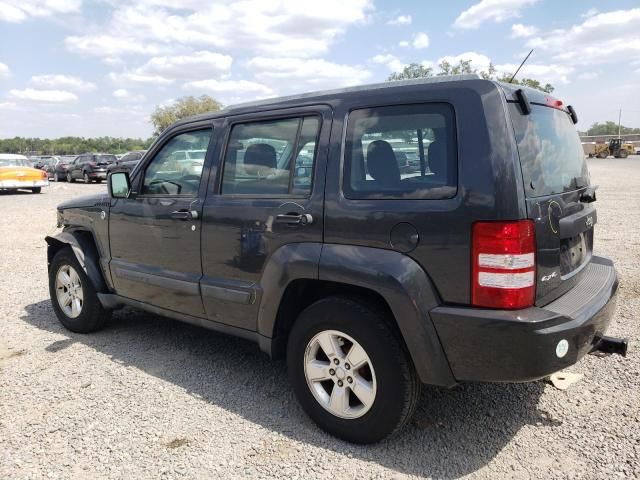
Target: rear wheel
x,y
70,178
86,178
603,154
624,154
350,372
74,299
36,189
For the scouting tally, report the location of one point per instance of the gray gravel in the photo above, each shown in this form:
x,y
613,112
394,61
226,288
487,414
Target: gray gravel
x,y
152,398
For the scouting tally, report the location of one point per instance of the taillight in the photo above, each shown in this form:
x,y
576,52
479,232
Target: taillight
x,y
503,264
44,174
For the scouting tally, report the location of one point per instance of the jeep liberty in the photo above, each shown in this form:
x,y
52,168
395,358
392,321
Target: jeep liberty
x,y
432,231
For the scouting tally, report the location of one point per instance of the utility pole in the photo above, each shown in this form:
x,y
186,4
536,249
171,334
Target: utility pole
x,y
619,123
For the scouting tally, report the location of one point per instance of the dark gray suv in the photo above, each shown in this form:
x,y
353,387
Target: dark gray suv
x,y
379,238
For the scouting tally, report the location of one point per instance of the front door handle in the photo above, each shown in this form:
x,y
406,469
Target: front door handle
x,y
295,218
184,214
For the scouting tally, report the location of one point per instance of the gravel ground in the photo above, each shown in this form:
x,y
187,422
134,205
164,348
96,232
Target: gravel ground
x,y
152,398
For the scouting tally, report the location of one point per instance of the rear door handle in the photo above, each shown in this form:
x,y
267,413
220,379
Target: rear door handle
x,y
295,218
184,214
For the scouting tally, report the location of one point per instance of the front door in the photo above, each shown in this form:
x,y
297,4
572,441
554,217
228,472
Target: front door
x,y
268,193
155,234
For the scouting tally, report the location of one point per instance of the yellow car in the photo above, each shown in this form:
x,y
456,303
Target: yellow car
x,y
16,172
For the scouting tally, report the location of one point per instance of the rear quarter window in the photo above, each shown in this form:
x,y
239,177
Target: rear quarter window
x,y
401,152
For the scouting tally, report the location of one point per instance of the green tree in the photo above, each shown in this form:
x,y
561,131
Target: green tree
x,y
163,117
415,70
610,128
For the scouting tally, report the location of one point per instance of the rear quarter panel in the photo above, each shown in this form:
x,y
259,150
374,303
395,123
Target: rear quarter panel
x,y
489,184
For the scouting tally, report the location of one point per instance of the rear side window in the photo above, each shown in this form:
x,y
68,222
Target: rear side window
x,y
401,152
273,157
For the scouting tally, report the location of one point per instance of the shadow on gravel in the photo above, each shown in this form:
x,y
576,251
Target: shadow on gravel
x,y
453,433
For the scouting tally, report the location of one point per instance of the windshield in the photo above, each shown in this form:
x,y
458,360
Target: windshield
x,y
13,162
551,154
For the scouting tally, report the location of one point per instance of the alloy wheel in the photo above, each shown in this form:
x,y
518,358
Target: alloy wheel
x,y
69,291
340,374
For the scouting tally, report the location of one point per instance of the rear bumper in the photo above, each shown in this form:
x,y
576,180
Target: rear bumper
x,y
24,183
102,175
522,345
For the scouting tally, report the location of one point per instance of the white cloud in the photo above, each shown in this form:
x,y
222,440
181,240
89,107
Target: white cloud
x,y
198,65
403,44
490,10
16,11
421,40
243,87
108,110
609,37
62,81
4,70
109,46
279,27
125,95
519,30
392,62
8,105
590,13
46,96
132,77
400,20
315,72
121,93
588,76
478,60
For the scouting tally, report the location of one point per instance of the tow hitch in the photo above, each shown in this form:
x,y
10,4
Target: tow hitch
x,y
610,345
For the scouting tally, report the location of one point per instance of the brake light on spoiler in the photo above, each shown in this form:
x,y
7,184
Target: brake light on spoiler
x,y
503,264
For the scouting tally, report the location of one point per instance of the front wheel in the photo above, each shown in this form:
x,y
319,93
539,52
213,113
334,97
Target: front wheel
x,y
74,299
350,372
70,178
36,189
624,154
86,178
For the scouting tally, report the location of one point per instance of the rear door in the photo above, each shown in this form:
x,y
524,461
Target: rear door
x,y
555,182
269,193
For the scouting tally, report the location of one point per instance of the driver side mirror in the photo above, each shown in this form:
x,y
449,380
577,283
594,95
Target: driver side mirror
x,y
119,185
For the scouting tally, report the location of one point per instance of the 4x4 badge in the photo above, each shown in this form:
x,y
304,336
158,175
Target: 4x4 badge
x,y
546,278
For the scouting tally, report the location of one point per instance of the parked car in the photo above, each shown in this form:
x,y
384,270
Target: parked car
x,y
17,173
60,170
90,167
128,161
478,266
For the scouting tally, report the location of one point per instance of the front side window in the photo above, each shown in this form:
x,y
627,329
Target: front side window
x,y
401,152
273,157
171,172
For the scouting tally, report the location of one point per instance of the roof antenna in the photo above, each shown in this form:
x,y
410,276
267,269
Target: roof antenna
x,y
525,59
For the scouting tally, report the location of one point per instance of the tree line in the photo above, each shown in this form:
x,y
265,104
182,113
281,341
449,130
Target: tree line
x,y
72,145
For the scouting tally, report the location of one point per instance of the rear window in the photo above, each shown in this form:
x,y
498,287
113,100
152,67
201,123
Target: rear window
x,y
105,158
401,152
551,154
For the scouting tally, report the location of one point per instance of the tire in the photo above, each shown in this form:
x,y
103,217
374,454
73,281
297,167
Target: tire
x,y
55,177
90,316
99,180
389,373
36,189
624,154
86,178
603,154
70,178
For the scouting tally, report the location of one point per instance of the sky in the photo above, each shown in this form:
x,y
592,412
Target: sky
x,y
100,67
